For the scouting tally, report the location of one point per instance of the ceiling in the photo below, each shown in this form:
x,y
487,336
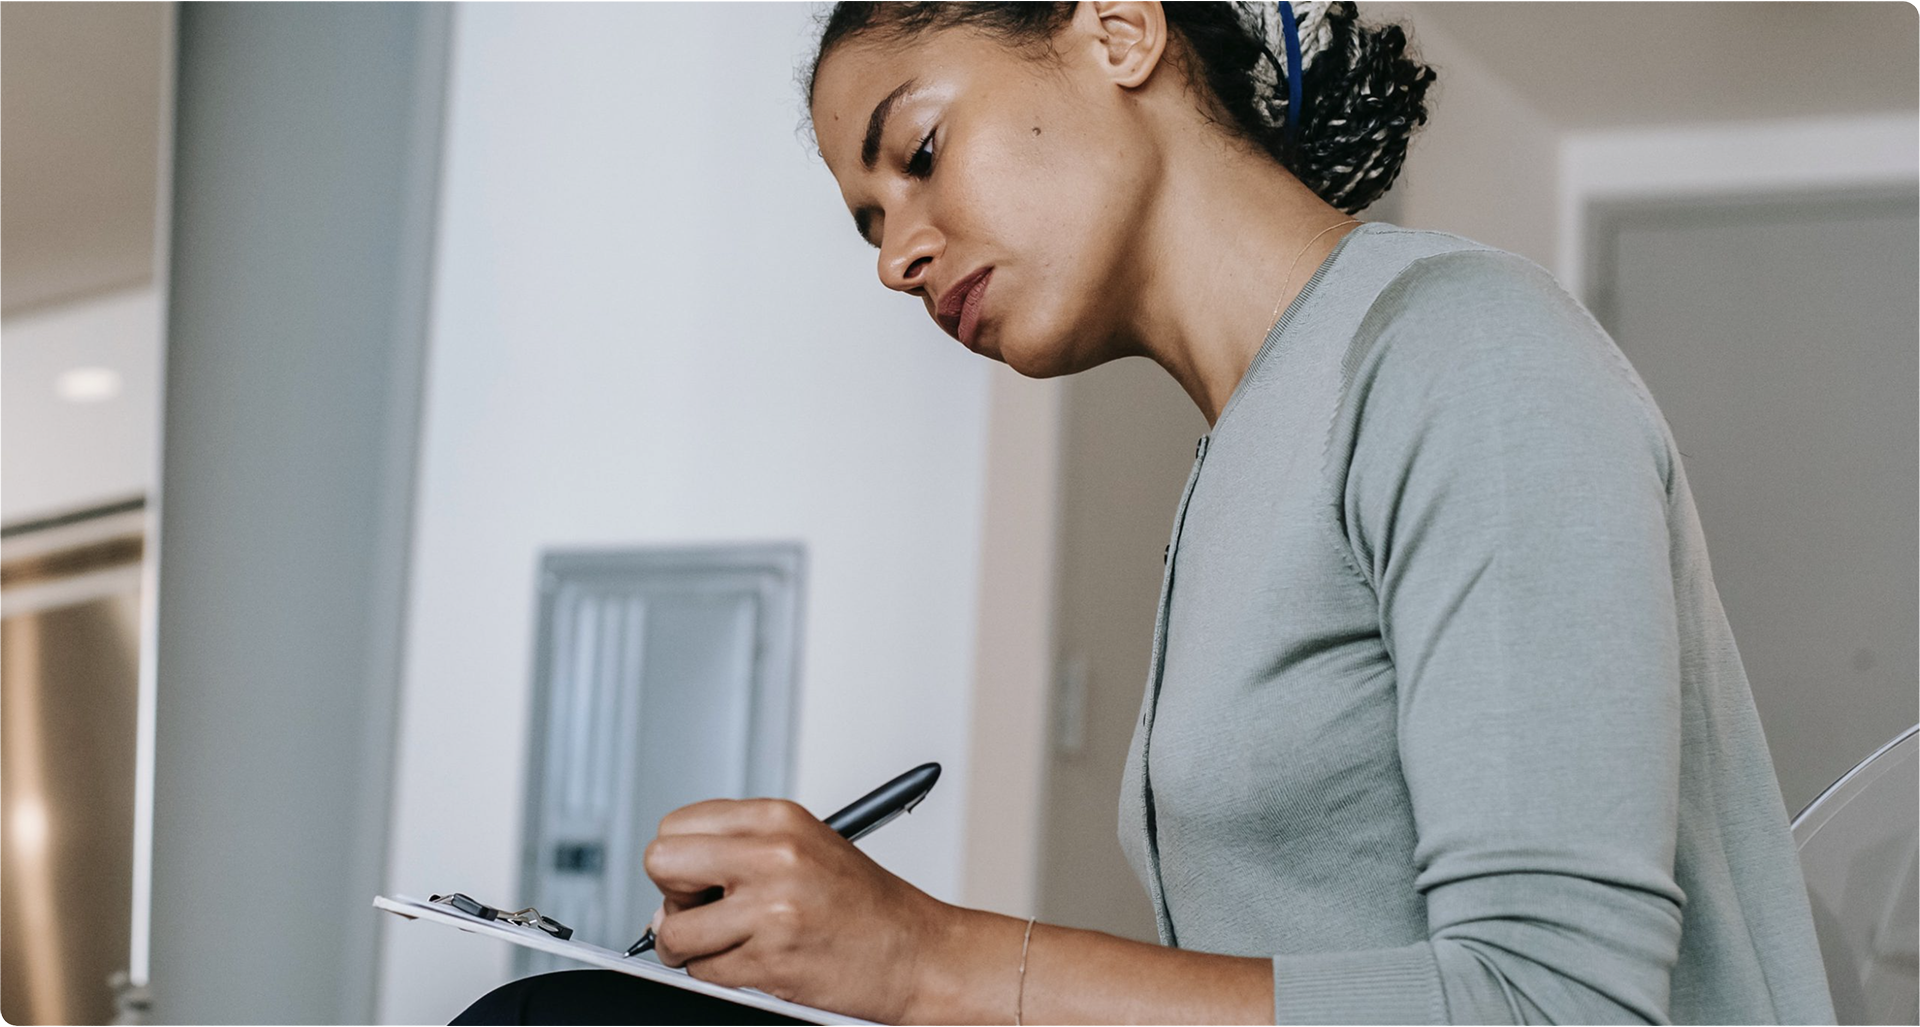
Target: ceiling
x,y
1593,65
79,160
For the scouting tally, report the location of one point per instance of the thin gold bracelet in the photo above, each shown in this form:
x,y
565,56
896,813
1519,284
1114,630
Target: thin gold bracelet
x,y
1020,997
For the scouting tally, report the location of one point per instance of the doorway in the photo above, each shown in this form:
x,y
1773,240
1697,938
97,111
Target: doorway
x,y
1778,334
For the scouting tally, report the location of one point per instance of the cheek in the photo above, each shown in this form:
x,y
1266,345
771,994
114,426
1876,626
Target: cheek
x,y
1046,319
1053,286
1070,240
1027,183
1036,206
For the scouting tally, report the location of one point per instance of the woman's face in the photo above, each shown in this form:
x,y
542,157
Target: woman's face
x,y
958,155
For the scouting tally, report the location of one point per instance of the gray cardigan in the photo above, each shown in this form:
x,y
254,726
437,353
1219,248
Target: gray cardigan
x,y
1444,714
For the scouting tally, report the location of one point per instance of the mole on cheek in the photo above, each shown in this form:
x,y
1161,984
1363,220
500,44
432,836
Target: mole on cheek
x,y
1036,130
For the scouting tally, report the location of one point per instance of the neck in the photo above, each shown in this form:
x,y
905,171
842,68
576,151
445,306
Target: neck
x,y
1219,237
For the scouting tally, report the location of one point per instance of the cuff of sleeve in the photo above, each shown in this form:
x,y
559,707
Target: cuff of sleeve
x,y
1378,986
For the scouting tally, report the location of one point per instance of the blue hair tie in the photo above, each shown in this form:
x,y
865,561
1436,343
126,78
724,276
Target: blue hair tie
x,y
1293,68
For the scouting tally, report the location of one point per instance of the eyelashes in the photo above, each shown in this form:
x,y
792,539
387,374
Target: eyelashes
x,y
920,165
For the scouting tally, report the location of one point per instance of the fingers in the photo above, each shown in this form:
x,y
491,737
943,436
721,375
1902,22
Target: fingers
x,y
727,871
711,846
683,865
739,967
737,816
674,902
701,933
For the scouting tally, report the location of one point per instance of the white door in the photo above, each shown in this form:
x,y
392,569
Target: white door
x,y
1779,336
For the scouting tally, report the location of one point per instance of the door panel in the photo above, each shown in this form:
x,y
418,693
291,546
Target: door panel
x,y
1779,336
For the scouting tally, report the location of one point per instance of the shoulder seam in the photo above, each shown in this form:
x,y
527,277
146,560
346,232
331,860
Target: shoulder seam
x,y
1360,346
1356,348
1333,506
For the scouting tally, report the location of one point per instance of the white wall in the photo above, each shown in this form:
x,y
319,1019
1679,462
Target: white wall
x,y
1485,164
60,455
654,324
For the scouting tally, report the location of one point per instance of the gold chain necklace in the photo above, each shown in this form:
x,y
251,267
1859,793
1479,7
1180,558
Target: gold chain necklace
x,y
1296,263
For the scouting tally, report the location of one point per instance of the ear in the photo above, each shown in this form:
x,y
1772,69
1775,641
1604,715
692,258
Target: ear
x,y
1130,37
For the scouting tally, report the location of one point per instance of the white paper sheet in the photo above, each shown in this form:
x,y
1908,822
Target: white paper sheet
x,y
594,955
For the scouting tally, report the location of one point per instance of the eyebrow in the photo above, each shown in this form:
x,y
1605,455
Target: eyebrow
x,y
870,147
877,123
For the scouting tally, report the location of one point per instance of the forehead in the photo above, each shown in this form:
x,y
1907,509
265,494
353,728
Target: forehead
x,y
941,64
856,77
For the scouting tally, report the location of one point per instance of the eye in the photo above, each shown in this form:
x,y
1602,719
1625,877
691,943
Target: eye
x,y
920,165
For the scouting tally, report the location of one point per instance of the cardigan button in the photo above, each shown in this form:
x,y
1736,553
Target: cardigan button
x,y
1165,551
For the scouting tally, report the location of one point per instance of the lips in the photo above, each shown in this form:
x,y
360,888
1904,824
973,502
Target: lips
x,y
959,308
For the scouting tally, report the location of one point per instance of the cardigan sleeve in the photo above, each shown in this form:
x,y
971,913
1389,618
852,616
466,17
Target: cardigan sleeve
x,y
1503,483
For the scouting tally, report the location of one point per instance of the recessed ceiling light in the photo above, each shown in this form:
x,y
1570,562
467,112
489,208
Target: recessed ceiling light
x,y
88,384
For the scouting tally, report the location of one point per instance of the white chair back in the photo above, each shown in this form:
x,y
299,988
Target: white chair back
x,y
1860,850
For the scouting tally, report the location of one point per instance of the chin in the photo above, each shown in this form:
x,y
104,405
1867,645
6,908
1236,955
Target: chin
x,y
1049,349
1047,363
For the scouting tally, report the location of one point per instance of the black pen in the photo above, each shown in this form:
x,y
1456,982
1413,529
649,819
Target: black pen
x,y
863,816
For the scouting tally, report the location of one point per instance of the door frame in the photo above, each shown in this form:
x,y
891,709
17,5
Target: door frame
x,y
1607,170
1605,219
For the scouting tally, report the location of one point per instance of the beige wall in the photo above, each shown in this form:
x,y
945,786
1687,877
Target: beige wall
x,y
1485,163
1126,448
1013,655
82,92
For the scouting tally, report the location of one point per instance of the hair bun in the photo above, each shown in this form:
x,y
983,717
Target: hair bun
x,y
1363,96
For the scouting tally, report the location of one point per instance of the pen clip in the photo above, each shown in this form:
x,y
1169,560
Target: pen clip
x,y
878,824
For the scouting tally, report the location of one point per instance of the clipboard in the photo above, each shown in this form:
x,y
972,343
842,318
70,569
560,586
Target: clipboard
x,y
606,959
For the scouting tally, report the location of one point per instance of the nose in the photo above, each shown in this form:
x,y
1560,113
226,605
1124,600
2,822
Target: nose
x,y
906,254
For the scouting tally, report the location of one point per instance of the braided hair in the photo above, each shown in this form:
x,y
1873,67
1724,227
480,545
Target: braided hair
x,y
1362,94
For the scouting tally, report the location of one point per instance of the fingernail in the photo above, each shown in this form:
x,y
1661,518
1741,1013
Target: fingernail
x,y
658,915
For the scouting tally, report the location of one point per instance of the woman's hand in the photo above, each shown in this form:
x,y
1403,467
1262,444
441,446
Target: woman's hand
x,y
802,913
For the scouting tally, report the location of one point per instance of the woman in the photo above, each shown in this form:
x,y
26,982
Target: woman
x,y
1445,722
